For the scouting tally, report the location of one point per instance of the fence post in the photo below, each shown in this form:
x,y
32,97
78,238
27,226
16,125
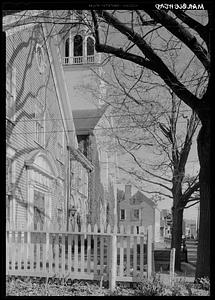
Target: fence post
x,y
113,256
172,265
149,251
7,247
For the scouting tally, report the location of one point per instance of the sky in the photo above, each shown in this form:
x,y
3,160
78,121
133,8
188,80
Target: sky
x,y
192,168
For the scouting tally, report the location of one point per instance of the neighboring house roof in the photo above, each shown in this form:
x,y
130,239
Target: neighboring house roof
x,y
139,197
136,199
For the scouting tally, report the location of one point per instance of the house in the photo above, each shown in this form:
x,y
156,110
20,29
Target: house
x,y
138,210
190,228
55,164
165,223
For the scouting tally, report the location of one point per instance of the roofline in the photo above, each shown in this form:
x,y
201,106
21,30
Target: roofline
x,y
27,18
81,158
147,199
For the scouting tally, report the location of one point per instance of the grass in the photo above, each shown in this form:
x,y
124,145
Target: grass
x,y
26,286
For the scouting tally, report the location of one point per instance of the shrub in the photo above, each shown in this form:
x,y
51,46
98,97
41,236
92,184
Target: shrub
x,y
155,287
180,288
204,283
18,286
152,287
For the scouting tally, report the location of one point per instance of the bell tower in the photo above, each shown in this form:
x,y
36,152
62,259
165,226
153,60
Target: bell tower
x,y
82,72
81,64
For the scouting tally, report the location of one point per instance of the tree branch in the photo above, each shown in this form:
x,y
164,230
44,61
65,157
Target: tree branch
x,y
143,179
188,193
139,165
198,27
193,122
193,199
117,51
154,63
191,205
143,22
182,34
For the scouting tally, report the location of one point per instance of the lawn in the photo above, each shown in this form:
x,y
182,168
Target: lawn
x,y
54,287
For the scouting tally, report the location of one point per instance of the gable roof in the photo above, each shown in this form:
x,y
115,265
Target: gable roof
x,y
61,88
138,198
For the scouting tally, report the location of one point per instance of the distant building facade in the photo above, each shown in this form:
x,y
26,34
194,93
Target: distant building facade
x,y
190,228
137,210
165,223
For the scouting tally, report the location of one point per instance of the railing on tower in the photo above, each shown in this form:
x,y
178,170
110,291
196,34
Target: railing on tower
x,y
79,60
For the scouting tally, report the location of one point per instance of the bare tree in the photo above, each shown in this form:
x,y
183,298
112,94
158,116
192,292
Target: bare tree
x,y
195,36
144,119
139,127
135,35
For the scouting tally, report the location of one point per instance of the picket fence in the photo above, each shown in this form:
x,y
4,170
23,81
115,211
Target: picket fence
x,y
105,254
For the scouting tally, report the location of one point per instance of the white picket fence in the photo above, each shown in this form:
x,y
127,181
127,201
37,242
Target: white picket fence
x,y
114,255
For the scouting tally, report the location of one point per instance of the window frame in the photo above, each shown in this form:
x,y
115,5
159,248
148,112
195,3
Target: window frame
x,y
122,209
34,208
90,38
70,48
80,46
133,213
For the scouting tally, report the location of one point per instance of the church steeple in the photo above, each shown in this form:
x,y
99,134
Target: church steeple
x,y
79,46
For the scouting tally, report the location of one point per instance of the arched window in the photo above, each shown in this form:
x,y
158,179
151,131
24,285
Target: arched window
x,y
90,50
66,53
67,47
78,45
90,46
79,50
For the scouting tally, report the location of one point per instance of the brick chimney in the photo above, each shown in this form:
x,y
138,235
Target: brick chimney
x,y
127,192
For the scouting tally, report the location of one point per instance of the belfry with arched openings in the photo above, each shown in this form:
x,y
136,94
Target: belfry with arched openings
x,y
79,48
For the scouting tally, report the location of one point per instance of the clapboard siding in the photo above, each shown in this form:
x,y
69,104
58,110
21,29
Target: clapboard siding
x,y
32,88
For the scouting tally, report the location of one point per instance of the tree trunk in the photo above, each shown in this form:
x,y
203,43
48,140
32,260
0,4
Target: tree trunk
x,y
177,219
203,256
